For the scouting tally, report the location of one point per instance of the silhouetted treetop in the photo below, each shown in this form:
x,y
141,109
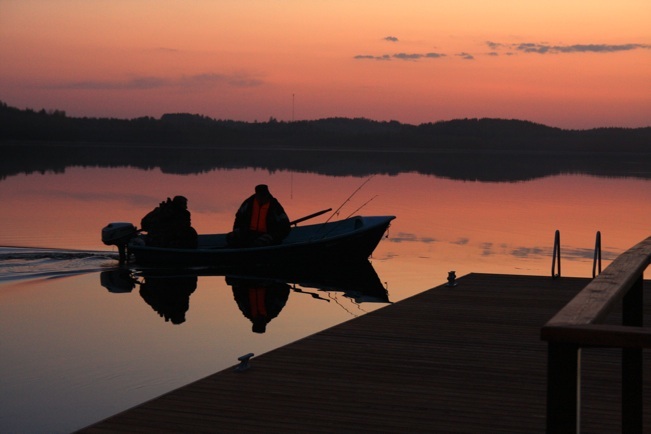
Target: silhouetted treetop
x,y
330,133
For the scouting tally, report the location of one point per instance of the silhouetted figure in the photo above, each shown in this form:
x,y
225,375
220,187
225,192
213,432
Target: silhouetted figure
x,y
259,301
169,225
169,296
260,221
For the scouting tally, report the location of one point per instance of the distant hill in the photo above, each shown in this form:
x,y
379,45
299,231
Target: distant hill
x,y
469,149
332,133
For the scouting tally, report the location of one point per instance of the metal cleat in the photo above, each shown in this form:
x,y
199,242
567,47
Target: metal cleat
x,y
452,279
244,362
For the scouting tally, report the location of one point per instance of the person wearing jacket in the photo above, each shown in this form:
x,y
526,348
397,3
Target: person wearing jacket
x,y
260,221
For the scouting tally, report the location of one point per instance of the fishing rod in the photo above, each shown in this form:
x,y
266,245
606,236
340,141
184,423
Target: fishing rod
x,y
302,291
363,205
337,224
348,198
307,217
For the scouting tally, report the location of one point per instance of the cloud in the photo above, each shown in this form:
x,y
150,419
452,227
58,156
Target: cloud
x,y
409,237
461,241
579,253
139,83
494,45
569,253
147,83
487,249
538,48
400,56
205,80
371,57
407,56
528,252
508,49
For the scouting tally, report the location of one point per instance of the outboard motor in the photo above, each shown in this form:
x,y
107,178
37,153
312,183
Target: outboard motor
x,y
118,234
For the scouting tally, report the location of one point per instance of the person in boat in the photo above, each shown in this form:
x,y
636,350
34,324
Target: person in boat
x,y
170,225
260,221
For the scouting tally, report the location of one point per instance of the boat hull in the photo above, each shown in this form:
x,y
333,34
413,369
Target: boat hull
x,y
343,241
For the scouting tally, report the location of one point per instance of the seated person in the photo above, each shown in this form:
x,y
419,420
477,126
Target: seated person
x,y
169,225
260,221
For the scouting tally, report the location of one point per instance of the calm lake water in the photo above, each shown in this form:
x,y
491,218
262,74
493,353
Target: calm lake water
x,y
78,346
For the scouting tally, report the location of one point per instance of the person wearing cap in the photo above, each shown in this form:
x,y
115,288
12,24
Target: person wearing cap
x,y
260,221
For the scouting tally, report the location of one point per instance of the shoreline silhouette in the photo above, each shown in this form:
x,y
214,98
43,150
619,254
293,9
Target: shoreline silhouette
x,y
493,150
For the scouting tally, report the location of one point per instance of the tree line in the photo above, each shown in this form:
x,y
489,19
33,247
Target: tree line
x,y
184,129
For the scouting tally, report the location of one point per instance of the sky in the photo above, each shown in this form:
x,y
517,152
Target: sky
x,y
565,63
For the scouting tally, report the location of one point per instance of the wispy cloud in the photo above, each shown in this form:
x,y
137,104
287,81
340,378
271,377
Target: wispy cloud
x,y
466,56
528,252
487,249
147,83
508,49
400,56
569,253
410,238
371,57
461,241
540,48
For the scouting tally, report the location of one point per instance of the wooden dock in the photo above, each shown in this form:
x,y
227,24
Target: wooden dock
x,y
461,359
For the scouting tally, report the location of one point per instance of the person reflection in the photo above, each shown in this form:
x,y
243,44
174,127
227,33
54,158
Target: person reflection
x,y
169,296
260,301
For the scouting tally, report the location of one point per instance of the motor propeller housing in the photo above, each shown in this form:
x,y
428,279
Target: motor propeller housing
x,y
118,234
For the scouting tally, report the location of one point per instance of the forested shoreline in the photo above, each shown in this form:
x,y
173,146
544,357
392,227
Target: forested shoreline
x,y
468,149
331,133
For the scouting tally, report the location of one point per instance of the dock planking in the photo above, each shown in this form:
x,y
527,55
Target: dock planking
x,y
460,359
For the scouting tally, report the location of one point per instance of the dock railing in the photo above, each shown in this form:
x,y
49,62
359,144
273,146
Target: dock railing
x,y
580,324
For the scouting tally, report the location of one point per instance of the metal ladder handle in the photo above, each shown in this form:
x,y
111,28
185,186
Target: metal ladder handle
x,y
556,255
597,255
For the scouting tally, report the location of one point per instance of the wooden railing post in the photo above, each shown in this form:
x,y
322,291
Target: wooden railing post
x,y
581,323
563,388
632,362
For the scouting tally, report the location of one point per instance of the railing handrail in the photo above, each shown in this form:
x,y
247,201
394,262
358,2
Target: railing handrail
x,y
593,303
580,324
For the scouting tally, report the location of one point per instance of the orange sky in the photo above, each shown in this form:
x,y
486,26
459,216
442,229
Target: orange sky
x,y
572,64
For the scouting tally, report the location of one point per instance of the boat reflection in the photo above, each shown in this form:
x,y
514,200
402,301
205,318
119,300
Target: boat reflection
x,y
167,293
260,294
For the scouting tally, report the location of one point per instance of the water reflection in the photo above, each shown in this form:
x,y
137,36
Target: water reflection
x,y
169,296
260,294
99,364
477,164
259,300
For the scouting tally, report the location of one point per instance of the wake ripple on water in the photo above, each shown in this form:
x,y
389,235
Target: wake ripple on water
x,y
18,263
